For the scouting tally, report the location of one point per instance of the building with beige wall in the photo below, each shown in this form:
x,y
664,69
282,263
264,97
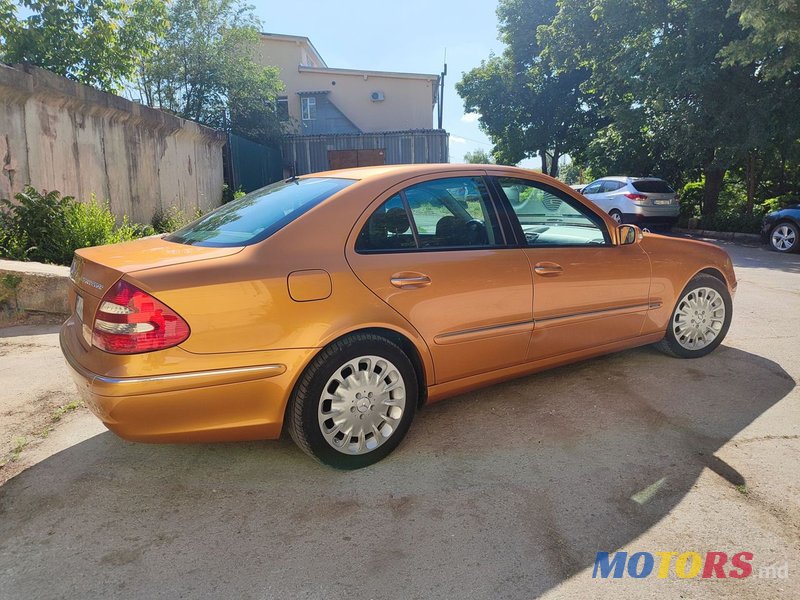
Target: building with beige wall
x,y
319,100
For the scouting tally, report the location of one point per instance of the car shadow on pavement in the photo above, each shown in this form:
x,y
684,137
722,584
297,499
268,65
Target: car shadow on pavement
x,y
503,492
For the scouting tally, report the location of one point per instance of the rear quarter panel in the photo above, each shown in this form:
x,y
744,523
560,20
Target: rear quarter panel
x,y
675,261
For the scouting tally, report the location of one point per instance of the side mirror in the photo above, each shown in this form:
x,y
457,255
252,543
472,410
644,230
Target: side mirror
x,y
628,234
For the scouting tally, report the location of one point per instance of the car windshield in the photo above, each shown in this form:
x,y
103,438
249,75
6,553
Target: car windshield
x,y
259,214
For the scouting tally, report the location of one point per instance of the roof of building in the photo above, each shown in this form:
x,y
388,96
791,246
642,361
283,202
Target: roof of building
x,y
296,38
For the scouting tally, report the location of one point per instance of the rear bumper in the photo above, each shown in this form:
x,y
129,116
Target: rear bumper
x,y
227,404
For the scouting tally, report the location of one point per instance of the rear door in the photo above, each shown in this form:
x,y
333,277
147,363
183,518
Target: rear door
x,y
435,252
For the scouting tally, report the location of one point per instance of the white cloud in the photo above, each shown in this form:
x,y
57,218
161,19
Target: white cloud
x,y
470,117
457,140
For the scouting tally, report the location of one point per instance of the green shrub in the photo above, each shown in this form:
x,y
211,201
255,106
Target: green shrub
x,y
173,218
47,227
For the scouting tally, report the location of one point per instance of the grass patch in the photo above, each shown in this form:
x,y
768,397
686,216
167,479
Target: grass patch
x,y
59,412
19,445
742,489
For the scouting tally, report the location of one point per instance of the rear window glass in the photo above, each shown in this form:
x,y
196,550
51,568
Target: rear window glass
x,y
259,214
653,186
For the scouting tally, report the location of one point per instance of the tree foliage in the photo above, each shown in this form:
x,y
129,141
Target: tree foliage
x,y
773,36
647,87
205,69
527,107
95,42
478,157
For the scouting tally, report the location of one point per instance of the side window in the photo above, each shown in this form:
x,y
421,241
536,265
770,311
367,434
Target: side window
x,y
550,218
593,188
611,186
387,229
453,213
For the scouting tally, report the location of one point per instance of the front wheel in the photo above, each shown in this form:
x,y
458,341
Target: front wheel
x,y
355,402
616,215
700,320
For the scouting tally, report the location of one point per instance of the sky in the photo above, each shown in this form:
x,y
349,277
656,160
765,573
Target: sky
x,y
408,36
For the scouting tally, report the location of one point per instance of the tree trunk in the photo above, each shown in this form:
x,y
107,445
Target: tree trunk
x,y
751,179
714,179
554,163
543,154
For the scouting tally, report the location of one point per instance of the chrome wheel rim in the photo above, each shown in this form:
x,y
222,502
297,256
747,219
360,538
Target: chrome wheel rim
x,y
616,216
362,404
783,237
699,318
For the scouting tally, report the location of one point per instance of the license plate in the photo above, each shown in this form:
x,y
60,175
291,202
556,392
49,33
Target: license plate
x,y
662,201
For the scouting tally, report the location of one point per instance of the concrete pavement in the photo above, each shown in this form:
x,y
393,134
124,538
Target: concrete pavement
x,y
507,492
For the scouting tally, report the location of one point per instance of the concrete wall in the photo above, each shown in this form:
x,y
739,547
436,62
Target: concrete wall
x,y
56,134
408,97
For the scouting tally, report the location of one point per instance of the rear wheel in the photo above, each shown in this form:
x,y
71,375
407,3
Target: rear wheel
x,y
785,237
354,402
700,320
616,215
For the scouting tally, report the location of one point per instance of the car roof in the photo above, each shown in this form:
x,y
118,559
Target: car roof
x,y
626,179
407,171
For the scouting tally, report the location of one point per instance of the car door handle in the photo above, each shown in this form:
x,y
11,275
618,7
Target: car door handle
x,y
410,280
547,268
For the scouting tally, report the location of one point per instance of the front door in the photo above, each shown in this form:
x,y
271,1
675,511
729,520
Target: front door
x,y
435,252
587,291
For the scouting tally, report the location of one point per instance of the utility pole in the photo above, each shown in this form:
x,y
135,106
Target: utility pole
x,y
441,90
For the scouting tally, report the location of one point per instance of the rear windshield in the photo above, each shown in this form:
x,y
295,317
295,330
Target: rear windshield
x,y
259,214
653,186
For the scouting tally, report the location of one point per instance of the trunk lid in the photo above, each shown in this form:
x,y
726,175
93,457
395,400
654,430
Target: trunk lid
x,y
95,270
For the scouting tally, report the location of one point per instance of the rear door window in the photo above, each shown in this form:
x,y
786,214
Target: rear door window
x,y
612,186
454,212
259,214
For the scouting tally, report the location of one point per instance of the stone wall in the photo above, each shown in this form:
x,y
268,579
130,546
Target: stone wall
x,y
56,134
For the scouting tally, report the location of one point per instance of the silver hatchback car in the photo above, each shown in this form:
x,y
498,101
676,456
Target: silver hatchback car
x,y
635,199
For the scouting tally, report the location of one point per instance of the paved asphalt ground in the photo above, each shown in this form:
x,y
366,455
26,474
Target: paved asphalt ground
x,y
507,492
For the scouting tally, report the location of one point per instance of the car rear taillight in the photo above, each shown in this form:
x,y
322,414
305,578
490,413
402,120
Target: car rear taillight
x,y
636,197
130,321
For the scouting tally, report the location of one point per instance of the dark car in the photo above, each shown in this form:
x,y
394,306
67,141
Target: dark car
x,y
781,229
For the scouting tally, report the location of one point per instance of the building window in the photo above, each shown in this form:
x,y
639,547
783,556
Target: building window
x,y
308,106
282,108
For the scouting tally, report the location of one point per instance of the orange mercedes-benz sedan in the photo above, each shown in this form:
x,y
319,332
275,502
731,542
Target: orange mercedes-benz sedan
x,y
336,304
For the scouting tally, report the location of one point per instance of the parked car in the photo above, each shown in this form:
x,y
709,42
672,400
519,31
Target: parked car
x,y
635,199
578,187
781,229
336,304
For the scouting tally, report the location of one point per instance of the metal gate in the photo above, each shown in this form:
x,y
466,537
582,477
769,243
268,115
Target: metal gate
x,y
249,166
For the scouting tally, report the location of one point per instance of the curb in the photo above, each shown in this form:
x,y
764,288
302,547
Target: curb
x,y
750,238
41,288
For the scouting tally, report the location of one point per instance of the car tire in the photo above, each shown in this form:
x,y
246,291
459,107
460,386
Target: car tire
x,y
701,299
785,237
361,367
616,215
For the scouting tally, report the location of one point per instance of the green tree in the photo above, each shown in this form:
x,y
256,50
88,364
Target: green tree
x,y
205,69
670,105
96,42
527,107
478,157
773,36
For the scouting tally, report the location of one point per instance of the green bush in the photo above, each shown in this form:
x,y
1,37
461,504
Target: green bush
x,y
47,227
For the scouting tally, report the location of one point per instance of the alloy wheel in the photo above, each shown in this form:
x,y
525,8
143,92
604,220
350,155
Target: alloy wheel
x,y
783,237
362,404
699,318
